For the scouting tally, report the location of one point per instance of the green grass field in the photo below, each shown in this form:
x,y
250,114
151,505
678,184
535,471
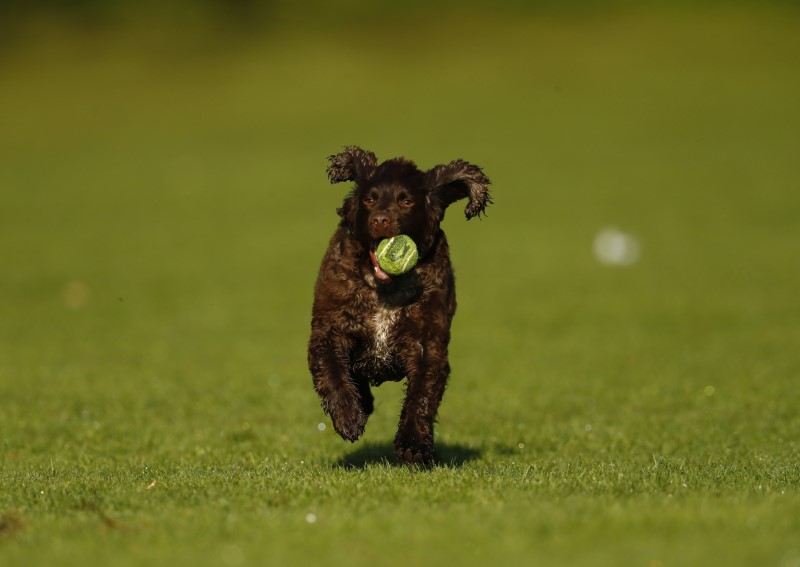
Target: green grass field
x,y
163,210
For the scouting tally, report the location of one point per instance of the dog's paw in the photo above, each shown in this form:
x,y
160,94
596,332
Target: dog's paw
x,y
347,415
350,427
415,453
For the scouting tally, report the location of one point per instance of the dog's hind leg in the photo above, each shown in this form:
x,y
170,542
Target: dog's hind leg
x,y
365,394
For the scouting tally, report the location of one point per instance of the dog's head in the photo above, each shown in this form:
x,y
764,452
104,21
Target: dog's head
x,y
395,197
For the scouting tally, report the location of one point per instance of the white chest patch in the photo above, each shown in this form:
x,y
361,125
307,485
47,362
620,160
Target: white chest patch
x,y
383,323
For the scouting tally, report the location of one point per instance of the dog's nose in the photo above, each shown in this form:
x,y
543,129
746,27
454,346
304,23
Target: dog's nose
x,y
379,222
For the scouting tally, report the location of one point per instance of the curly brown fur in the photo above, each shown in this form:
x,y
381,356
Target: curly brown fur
x,y
367,327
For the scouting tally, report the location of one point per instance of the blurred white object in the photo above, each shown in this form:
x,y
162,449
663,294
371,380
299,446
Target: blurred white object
x,y
616,248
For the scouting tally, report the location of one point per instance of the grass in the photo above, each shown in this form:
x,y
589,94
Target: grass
x,y
164,209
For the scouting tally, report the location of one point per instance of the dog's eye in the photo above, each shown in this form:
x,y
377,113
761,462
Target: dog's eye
x,y
406,202
369,201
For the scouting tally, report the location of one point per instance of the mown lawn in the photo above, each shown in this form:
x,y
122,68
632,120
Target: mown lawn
x,y
164,207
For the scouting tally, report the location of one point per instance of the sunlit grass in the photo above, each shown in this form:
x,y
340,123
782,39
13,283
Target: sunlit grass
x,y
163,214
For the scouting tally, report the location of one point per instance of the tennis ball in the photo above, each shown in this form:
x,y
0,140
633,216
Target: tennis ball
x,y
397,255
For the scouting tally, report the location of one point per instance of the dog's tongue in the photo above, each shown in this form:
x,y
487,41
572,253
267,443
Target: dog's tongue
x,y
379,273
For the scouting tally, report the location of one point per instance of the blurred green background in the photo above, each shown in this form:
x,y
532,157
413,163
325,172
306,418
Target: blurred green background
x,y
164,208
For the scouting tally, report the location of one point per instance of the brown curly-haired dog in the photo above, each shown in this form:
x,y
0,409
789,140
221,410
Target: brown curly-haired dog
x,y
368,327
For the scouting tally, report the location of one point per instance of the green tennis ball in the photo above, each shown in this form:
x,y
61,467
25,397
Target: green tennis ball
x,y
397,255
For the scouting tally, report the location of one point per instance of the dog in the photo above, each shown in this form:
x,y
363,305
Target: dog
x,y
368,327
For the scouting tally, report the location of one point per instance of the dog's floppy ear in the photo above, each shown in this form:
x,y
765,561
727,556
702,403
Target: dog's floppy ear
x,y
353,164
456,180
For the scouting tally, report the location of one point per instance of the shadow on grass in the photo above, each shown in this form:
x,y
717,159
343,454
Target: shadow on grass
x,y
447,455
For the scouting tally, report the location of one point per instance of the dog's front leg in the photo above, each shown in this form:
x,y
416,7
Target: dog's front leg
x,y
427,377
328,360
